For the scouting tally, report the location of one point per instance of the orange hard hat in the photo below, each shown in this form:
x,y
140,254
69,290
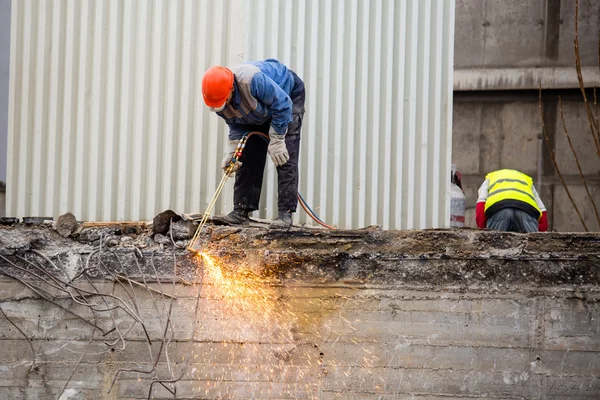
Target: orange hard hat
x,y
217,83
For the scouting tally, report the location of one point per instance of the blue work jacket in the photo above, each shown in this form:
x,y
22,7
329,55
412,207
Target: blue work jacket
x,y
270,86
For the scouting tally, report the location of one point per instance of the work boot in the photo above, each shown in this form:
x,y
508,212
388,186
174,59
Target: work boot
x,y
284,221
235,218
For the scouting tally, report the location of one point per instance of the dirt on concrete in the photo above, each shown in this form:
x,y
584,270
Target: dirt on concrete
x,y
416,258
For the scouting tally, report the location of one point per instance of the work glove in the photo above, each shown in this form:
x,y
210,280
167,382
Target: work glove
x,y
231,146
277,149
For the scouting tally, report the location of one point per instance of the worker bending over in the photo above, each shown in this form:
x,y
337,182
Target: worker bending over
x,y
267,97
509,202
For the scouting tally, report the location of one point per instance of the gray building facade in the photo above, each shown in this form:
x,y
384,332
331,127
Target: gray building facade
x,y
503,49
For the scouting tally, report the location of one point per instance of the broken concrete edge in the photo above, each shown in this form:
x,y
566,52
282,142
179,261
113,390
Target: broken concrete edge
x,y
422,259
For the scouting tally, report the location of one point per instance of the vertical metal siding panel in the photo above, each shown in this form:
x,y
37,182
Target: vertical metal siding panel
x,y
140,114
336,137
264,37
299,38
335,124
67,117
48,146
284,46
409,166
399,120
448,64
435,115
315,147
31,101
302,31
130,45
349,128
53,128
213,172
185,111
217,135
325,139
232,44
375,100
168,133
424,192
360,205
200,196
83,75
95,128
273,25
91,57
124,93
105,104
309,139
270,39
24,164
385,114
39,90
38,136
235,49
110,118
156,102
14,109
298,64
210,122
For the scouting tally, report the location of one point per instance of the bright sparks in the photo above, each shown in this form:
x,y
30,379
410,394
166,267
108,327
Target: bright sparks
x,y
266,335
239,285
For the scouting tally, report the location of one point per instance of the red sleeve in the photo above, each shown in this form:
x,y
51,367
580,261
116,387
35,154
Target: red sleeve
x,y
480,214
543,223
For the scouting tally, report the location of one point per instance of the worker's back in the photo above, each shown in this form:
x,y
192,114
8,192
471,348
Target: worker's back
x,y
508,201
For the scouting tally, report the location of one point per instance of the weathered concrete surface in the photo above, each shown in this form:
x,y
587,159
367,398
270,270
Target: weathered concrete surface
x,y
515,33
449,314
523,78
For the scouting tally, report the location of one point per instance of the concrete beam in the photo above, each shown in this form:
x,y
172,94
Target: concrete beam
x,y
523,78
430,258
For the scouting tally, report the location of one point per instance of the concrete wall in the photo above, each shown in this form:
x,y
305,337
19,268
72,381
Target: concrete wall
x,y
503,50
347,314
505,132
516,33
336,341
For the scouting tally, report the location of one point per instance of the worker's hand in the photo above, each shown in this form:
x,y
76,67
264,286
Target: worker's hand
x,y
277,149
231,146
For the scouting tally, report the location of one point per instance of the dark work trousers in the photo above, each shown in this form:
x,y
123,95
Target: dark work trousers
x,y
248,179
512,220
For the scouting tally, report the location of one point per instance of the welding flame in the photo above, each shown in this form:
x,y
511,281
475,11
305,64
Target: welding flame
x,y
244,290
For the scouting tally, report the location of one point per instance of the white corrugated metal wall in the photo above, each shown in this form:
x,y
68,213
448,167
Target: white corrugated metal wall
x,y
106,117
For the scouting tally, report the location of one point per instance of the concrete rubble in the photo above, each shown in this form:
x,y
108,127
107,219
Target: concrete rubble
x,y
363,314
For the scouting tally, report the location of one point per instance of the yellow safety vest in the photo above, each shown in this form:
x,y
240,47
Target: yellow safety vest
x,y
508,184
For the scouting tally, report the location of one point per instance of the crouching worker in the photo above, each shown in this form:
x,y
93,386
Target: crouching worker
x,y
267,97
509,202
